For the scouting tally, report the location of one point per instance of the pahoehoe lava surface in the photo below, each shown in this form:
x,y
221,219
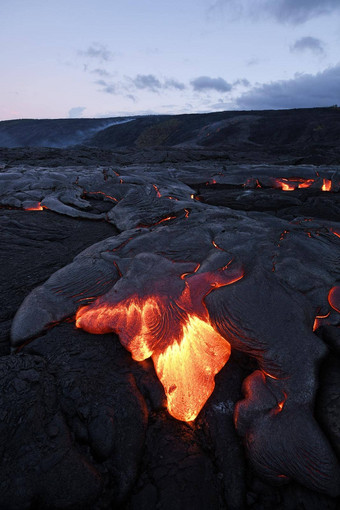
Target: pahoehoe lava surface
x,y
183,269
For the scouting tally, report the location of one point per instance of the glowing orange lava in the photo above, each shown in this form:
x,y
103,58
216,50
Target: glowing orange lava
x,y
334,298
187,368
168,218
101,193
157,190
269,375
293,183
36,207
287,187
318,320
326,185
216,246
335,232
176,332
281,404
306,184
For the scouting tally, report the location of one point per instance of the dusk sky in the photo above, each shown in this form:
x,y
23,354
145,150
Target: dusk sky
x,y
98,58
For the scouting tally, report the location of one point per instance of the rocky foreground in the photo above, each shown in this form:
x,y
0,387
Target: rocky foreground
x,y
87,416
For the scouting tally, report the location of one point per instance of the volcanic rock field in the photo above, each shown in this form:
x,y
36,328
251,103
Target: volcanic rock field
x,y
170,319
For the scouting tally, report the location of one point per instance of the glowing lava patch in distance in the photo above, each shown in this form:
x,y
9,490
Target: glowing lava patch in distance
x,y
284,185
35,207
326,185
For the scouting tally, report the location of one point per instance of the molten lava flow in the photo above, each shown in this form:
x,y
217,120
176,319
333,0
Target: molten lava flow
x,y
335,232
36,207
216,246
326,185
101,193
185,362
287,187
318,320
292,183
280,404
168,218
269,375
174,330
187,368
306,183
334,298
157,191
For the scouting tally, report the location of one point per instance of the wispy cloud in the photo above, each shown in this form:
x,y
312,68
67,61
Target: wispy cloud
x,y
110,88
284,11
147,81
102,83
173,84
242,81
97,51
101,72
308,43
203,83
300,11
303,91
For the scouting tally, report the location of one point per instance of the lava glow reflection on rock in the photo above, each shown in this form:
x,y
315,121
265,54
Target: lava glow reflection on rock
x,y
186,350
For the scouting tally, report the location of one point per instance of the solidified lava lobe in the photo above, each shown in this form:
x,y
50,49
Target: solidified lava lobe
x,y
176,332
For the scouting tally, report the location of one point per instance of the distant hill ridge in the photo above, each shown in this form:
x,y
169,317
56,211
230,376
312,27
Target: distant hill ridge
x,y
299,132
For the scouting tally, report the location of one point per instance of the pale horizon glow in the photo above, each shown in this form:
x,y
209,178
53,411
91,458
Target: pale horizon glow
x,y
109,58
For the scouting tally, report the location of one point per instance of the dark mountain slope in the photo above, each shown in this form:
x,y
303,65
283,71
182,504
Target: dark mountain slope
x,y
294,136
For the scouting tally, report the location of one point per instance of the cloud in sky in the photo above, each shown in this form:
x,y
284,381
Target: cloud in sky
x,y
308,43
147,81
303,91
243,82
101,72
203,83
110,88
76,112
97,51
299,11
284,11
174,84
